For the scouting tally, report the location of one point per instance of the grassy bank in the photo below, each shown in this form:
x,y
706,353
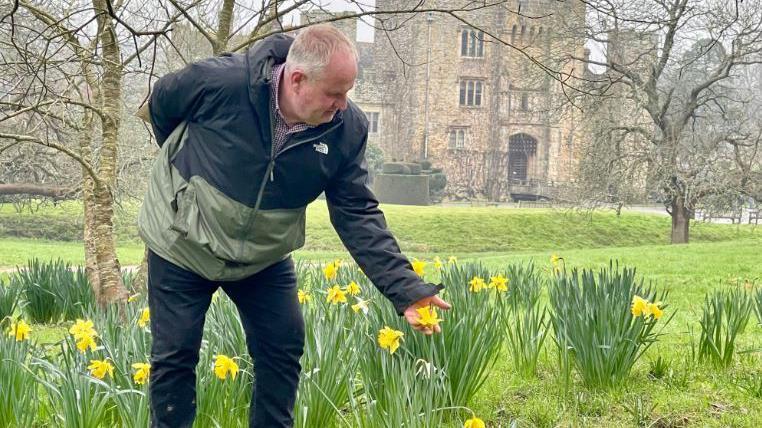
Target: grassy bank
x,y
418,230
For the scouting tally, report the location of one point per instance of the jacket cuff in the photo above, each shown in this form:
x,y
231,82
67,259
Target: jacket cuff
x,y
418,293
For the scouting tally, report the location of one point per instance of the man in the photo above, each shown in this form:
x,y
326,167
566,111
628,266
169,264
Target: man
x,y
247,142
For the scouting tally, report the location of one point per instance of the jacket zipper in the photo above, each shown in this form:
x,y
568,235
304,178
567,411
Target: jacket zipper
x,y
271,167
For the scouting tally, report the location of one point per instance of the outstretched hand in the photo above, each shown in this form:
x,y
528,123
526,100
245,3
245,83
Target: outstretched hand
x,y
412,316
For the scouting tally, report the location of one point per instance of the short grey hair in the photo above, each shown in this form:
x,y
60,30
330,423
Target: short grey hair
x,y
313,47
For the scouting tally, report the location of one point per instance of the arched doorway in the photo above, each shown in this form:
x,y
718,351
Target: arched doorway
x,y
521,150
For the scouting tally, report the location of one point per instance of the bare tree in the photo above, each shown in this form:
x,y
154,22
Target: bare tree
x,y
670,114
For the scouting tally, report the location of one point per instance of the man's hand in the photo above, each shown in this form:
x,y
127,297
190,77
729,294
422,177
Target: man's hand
x,y
411,314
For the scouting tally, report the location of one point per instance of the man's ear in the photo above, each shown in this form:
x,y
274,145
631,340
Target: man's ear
x,y
297,79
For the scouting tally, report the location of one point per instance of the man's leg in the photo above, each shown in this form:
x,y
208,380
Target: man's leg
x,y
178,300
272,318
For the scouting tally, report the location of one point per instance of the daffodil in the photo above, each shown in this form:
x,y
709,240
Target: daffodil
x,y
142,373
99,368
336,295
85,342
133,298
419,266
389,339
145,317
438,263
361,305
655,310
223,366
476,284
84,334
428,317
20,330
304,297
452,260
639,306
499,283
353,288
331,270
82,328
555,262
474,422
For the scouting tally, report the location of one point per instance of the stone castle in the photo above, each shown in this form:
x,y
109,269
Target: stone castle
x,y
468,97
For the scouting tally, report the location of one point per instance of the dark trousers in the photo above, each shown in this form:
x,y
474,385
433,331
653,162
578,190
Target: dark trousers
x,y
272,319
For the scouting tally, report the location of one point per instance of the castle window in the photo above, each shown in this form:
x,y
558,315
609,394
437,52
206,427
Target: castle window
x,y
524,102
471,92
458,138
471,43
372,122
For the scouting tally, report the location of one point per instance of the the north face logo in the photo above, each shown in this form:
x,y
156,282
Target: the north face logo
x,y
321,148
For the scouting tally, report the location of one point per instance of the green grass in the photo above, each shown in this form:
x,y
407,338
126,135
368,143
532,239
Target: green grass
x,y
419,230
719,256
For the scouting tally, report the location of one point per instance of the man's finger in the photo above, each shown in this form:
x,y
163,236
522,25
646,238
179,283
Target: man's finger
x,y
438,302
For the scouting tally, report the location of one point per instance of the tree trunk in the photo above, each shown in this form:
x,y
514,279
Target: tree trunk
x,y
111,286
680,221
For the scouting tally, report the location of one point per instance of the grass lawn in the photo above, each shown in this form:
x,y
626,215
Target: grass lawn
x,y
689,395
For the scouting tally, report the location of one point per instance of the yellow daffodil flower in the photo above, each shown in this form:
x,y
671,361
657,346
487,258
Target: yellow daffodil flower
x,y
331,270
361,305
499,283
452,260
20,330
476,284
336,295
474,423
389,339
655,310
142,373
145,317
84,334
304,297
639,306
419,266
99,368
224,365
85,342
133,298
438,263
428,317
82,328
353,288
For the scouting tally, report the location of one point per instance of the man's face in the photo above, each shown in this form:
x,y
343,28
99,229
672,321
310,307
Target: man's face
x,y
318,98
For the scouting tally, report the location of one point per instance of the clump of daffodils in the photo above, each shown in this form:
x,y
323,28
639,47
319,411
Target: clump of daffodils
x,y
20,330
84,334
642,307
